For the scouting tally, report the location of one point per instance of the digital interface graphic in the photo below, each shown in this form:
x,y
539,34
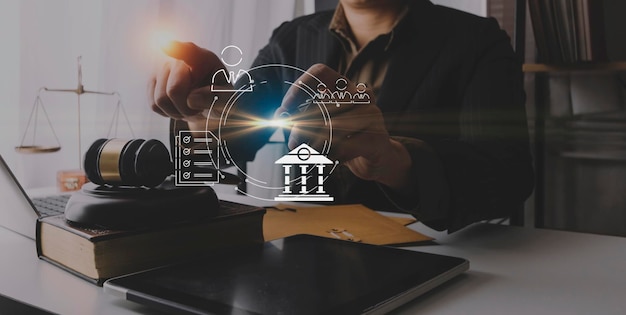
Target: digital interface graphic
x,y
196,159
304,170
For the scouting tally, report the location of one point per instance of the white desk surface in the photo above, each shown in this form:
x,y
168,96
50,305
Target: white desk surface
x,y
513,270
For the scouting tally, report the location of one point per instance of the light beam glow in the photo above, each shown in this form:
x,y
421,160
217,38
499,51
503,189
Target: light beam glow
x,y
279,123
161,39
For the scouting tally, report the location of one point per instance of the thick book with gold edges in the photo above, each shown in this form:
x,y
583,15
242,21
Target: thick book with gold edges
x,y
98,254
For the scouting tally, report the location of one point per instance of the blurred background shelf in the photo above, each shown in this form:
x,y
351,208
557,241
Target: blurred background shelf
x,y
576,67
575,77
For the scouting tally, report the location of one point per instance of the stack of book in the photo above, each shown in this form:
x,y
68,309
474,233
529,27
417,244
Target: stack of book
x,y
98,254
569,31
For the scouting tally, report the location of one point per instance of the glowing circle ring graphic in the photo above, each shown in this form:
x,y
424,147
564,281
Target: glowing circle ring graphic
x,y
232,103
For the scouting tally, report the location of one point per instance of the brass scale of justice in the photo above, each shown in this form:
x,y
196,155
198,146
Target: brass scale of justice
x,y
39,106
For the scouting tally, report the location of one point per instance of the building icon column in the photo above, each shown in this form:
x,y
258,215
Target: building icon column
x,y
303,176
287,169
310,164
320,179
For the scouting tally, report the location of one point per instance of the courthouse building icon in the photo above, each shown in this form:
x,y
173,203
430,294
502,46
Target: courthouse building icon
x,y
304,175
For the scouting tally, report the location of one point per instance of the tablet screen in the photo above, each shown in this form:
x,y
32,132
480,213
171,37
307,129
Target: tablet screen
x,y
296,275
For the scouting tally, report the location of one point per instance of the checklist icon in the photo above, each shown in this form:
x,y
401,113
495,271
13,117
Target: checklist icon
x,y
196,159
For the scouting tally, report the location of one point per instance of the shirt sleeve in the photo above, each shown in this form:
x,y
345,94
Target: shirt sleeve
x,y
487,167
481,168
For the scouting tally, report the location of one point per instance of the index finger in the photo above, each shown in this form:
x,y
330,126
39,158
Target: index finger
x,y
201,62
303,89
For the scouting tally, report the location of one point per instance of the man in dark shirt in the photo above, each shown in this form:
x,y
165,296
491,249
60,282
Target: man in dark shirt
x,y
444,136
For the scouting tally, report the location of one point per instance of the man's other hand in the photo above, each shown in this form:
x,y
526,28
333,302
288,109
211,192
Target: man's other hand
x,y
359,137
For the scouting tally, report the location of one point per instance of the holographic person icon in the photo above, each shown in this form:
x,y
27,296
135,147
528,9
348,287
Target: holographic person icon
x,y
340,95
322,93
230,77
361,96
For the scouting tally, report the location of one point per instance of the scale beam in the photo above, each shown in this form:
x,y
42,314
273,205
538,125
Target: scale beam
x,y
80,90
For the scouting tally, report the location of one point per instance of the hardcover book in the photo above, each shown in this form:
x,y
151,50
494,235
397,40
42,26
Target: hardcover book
x,y
99,254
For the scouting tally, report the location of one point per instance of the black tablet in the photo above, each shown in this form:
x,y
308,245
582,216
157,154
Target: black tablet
x,y
297,275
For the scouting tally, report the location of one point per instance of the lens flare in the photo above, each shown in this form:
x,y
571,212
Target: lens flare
x,y
161,39
279,123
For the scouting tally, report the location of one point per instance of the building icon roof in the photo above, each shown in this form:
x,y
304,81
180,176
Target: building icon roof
x,y
303,154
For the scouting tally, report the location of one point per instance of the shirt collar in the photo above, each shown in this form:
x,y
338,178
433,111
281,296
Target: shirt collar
x,y
339,25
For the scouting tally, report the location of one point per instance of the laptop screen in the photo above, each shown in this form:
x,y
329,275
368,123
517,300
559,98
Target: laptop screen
x,y
17,212
297,275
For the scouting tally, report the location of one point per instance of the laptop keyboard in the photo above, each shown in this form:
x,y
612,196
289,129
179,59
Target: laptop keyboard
x,y
51,205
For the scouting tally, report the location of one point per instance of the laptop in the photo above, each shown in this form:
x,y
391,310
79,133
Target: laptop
x,y
301,274
19,213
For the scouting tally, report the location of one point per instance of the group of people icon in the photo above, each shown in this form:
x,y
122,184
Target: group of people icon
x,y
340,95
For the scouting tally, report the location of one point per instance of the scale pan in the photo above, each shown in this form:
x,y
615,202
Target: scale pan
x,y
36,149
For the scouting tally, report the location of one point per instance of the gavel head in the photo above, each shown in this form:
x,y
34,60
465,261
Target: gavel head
x,y
136,162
